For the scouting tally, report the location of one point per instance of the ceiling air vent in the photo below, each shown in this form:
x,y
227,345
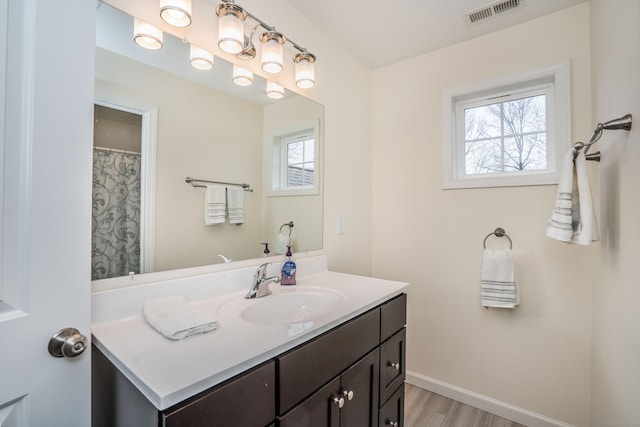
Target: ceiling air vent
x,y
492,10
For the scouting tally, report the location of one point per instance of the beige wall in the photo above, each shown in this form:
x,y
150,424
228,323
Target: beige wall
x,y
615,59
536,357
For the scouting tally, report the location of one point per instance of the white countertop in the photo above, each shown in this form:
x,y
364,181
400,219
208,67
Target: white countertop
x,y
167,372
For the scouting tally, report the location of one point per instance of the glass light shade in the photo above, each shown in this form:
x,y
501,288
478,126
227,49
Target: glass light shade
x,y
230,33
200,59
272,52
274,90
146,35
176,12
305,72
242,76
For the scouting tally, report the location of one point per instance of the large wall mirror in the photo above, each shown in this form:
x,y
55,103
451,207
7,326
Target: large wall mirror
x,y
184,123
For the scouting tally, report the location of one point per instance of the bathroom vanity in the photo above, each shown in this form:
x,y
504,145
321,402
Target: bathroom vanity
x,y
329,351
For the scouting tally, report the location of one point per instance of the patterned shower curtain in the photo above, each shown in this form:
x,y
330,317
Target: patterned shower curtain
x,y
115,242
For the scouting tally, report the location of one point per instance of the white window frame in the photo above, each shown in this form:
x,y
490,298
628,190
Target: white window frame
x,y
278,185
553,79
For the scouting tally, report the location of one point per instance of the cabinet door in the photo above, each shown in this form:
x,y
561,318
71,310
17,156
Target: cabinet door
x,y
247,400
360,387
321,409
392,371
392,413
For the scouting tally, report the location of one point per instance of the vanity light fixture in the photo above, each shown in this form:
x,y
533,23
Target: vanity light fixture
x,y
146,35
232,39
274,90
242,76
176,12
305,73
230,27
200,59
272,51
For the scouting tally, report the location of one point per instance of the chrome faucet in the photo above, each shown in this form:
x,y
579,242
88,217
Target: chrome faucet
x,y
260,286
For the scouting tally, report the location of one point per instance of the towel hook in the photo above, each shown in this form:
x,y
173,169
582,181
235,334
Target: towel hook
x,y
498,232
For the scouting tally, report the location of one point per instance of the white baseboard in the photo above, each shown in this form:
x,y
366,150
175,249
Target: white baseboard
x,y
488,404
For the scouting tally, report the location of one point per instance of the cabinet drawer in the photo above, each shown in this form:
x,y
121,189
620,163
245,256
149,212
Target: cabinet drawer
x,y
393,411
392,365
306,368
227,404
393,316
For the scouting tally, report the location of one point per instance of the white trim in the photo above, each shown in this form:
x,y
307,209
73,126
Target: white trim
x,y
559,121
485,403
148,182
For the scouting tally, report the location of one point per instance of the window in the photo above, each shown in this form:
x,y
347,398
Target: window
x,y
300,161
294,161
508,131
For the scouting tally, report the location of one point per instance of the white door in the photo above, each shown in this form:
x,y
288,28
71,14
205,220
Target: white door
x,y
46,98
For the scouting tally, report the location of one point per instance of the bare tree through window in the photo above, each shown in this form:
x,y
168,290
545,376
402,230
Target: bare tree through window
x,y
506,136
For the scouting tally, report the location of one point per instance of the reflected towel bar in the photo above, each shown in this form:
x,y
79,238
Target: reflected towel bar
x,y
193,182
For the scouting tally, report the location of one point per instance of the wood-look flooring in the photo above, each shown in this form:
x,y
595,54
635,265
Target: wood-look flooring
x,y
425,409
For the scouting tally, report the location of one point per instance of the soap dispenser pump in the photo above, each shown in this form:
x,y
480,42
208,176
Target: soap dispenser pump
x,y
288,269
266,252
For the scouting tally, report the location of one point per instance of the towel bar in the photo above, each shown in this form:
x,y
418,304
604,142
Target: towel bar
x,y
621,123
498,232
193,181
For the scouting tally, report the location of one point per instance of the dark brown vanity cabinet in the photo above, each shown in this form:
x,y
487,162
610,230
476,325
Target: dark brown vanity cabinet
x,y
350,376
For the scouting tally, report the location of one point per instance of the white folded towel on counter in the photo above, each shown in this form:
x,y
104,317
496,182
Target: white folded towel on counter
x,y
174,318
573,218
214,204
498,280
235,205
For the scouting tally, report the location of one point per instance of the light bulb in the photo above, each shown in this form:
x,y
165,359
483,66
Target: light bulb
x,y
200,59
272,51
230,28
274,90
305,73
176,12
242,76
146,35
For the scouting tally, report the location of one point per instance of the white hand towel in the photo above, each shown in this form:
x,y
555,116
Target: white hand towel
x,y
235,205
175,319
282,241
573,218
214,204
498,280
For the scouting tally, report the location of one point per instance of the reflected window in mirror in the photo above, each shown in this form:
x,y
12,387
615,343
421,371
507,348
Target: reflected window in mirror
x,y
294,163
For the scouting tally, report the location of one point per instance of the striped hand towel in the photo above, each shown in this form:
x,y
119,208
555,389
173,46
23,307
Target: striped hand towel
x,y
235,205
214,204
498,280
573,219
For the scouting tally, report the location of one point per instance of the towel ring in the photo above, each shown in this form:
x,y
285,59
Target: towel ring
x,y
499,232
288,224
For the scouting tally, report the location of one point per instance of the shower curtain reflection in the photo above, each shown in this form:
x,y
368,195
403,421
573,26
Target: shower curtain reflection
x,y
115,237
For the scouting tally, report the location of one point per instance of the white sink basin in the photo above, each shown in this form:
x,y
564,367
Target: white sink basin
x,y
287,305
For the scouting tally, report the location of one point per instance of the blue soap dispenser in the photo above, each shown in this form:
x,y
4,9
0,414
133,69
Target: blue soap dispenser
x,y
288,269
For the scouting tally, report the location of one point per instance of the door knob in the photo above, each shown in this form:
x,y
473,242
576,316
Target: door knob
x,y
394,365
67,342
338,401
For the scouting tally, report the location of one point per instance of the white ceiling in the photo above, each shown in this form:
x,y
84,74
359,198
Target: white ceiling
x,y
381,33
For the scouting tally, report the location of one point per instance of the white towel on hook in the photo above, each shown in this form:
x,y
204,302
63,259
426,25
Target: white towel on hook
x,y
235,205
573,218
174,318
498,280
214,204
